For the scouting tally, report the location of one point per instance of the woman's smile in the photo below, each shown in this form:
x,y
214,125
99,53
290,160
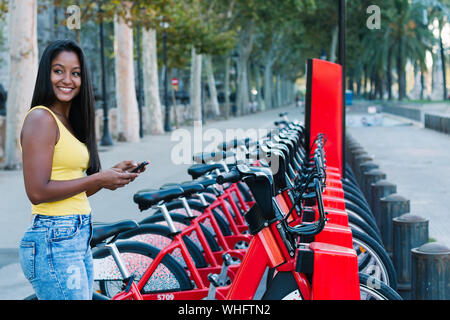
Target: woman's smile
x,y
66,76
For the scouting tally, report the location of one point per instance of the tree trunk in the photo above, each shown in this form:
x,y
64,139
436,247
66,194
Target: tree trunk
x,y
211,85
196,86
422,82
244,48
268,79
399,74
242,86
174,103
365,82
389,73
259,99
401,70
127,108
444,80
227,87
23,51
333,46
151,84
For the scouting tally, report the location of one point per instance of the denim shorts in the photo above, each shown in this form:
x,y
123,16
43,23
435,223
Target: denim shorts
x,y
56,258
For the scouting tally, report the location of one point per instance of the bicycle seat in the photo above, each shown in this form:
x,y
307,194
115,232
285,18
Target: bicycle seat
x,y
102,231
147,199
261,184
198,170
206,182
188,188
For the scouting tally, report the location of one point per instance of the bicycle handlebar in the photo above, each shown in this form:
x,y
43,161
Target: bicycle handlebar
x,y
315,227
231,176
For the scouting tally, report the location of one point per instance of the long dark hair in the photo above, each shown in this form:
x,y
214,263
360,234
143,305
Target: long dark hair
x,y
82,112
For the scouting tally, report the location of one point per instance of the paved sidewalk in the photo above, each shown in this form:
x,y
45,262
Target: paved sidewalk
x,y
417,160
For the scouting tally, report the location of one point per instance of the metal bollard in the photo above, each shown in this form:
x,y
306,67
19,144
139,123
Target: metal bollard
x,y
371,177
358,156
409,231
364,167
351,152
430,272
391,207
380,189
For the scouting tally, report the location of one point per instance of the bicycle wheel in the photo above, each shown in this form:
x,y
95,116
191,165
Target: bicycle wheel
x,y
181,220
353,209
137,257
373,289
357,201
160,236
373,259
358,224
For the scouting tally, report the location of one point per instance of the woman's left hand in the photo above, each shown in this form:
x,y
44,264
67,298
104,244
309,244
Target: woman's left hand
x,y
126,165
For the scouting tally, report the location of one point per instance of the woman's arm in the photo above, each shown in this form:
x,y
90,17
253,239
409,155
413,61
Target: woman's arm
x,y
38,137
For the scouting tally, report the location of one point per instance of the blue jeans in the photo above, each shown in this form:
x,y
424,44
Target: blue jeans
x,y
56,257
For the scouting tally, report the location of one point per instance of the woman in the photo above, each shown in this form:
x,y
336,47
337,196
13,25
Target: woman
x,y
61,169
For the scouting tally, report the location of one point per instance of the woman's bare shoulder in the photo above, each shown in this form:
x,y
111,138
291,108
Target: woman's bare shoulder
x,y
39,122
41,117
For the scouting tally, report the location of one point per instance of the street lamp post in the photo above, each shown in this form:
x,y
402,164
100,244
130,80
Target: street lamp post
x,y
106,138
342,27
167,125
139,70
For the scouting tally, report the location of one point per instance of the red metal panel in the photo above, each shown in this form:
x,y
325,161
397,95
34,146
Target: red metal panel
x,y
335,216
336,234
335,274
325,109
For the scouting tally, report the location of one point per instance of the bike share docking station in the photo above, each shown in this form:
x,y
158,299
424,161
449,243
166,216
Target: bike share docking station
x,y
335,266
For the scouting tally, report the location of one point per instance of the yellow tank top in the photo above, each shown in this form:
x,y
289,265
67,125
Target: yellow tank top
x,y
70,161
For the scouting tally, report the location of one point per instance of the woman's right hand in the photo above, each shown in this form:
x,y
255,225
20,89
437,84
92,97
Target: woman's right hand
x,y
114,178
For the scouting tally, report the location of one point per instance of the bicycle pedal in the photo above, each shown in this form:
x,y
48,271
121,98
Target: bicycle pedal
x,y
213,284
214,279
227,260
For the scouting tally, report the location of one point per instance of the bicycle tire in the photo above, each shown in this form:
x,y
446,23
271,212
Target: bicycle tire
x,y
370,244
356,200
378,289
355,191
364,227
137,267
352,208
163,231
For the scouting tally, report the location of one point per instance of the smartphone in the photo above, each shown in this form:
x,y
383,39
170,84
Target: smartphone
x,y
139,167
